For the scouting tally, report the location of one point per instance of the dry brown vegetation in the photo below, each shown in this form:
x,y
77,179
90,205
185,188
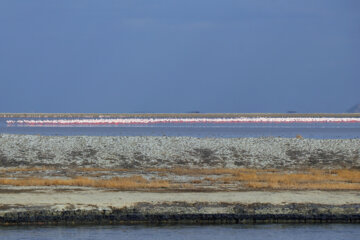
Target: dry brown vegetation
x,y
213,179
341,179
202,171
124,183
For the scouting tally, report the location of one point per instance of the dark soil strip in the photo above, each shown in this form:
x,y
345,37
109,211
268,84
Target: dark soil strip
x,y
186,213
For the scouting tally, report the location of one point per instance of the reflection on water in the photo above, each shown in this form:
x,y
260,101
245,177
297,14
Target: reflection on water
x,y
231,130
249,232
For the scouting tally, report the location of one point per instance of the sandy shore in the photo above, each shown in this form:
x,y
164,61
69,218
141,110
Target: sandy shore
x,y
49,205
83,197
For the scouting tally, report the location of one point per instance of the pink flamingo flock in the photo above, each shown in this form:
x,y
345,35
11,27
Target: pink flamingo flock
x,y
126,121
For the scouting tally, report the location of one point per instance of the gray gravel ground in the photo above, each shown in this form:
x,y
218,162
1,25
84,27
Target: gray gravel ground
x,y
159,152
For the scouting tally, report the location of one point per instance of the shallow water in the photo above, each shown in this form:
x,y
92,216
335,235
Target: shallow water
x,y
229,130
249,232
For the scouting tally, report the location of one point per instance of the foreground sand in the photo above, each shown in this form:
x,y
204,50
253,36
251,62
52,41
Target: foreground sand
x,y
84,197
86,205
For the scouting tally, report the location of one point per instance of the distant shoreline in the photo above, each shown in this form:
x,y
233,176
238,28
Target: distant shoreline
x,y
171,115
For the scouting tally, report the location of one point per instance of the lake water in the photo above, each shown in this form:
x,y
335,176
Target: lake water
x,y
228,130
206,232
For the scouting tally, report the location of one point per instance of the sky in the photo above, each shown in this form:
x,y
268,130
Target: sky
x,y
114,56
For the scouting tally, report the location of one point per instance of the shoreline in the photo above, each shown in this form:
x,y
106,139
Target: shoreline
x,y
191,208
311,214
171,115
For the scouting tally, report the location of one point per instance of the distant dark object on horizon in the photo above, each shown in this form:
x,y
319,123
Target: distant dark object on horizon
x,y
354,109
194,112
291,111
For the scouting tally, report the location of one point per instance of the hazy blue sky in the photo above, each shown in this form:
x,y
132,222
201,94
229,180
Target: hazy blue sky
x,y
179,56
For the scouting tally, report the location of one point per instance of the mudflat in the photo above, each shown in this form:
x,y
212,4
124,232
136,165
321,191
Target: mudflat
x,y
170,152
